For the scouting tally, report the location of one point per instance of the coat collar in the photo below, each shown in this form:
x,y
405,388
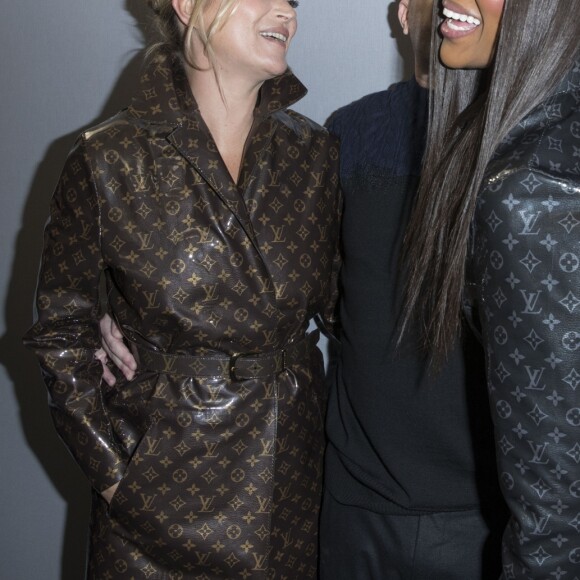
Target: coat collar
x,y
571,82
164,95
165,103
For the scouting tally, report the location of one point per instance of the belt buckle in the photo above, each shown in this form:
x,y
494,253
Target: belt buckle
x,y
232,365
236,356
233,361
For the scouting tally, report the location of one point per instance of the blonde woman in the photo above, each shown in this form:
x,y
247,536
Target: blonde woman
x,y
205,217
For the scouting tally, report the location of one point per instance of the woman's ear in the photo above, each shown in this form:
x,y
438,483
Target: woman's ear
x,y
404,15
183,9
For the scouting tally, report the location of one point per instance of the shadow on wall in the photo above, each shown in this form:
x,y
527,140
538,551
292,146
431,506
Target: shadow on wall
x,y
22,368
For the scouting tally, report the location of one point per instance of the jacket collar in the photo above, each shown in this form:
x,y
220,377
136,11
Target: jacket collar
x,y
571,81
165,103
164,95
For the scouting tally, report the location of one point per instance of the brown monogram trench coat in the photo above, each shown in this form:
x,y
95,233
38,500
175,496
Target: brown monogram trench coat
x,y
220,476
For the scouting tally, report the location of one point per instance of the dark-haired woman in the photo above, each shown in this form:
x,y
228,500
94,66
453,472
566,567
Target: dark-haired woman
x,y
210,212
495,235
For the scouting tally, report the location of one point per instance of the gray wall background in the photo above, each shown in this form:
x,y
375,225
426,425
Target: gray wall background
x,y
67,64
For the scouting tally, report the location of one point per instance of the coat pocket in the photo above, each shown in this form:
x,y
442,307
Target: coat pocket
x,y
126,497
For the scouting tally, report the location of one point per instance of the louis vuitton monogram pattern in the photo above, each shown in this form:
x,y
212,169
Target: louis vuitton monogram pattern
x,y
526,284
219,478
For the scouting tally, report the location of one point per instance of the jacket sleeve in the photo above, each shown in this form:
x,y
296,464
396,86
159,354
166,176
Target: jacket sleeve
x,y
65,335
531,314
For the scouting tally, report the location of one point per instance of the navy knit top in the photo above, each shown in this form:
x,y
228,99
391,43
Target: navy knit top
x,y
401,438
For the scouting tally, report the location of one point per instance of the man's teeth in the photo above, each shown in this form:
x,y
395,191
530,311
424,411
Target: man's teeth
x,y
275,35
462,17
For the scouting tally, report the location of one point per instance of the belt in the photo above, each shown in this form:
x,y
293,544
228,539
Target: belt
x,y
238,366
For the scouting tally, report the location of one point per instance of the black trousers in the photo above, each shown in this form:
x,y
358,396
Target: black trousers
x,y
358,544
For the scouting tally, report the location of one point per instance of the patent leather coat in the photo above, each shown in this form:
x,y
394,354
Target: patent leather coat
x,y
219,476
524,287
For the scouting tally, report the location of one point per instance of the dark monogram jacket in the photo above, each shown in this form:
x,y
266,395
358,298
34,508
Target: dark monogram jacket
x,y
219,463
525,284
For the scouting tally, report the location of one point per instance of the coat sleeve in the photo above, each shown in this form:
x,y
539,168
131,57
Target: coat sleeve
x,y
65,335
531,310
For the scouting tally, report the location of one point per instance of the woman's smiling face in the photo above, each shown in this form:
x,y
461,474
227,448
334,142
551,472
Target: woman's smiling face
x,y
469,32
255,39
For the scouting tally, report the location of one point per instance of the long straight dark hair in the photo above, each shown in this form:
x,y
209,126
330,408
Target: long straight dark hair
x,y
471,111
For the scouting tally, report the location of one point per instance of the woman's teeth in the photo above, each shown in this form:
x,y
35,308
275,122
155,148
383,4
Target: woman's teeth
x,y
275,35
461,17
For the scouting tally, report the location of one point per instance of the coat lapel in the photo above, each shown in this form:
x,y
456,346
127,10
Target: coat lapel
x,y
196,145
165,100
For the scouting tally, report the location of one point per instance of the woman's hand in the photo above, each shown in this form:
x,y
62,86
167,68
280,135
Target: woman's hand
x,y
115,349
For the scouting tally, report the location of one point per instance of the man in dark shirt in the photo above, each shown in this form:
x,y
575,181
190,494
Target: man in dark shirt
x,y
410,476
